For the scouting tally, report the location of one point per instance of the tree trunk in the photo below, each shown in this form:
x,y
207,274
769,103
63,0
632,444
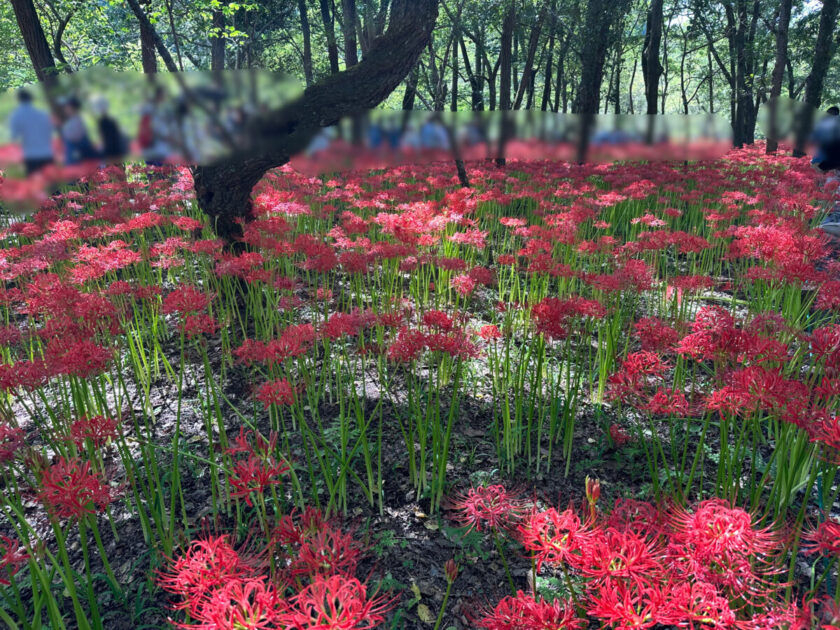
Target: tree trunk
x,y
35,41
651,67
454,92
823,52
601,16
223,189
329,29
529,72
307,42
150,32
505,56
782,28
348,27
505,59
546,97
630,106
218,41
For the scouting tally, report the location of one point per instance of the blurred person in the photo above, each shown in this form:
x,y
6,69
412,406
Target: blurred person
x,y
826,137
33,128
74,134
155,129
114,143
433,134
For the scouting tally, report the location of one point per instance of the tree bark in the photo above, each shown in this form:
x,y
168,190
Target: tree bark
x,y
35,41
454,91
601,16
223,189
348,26
307,42
782,27
651,67
823,52
218,41
329,29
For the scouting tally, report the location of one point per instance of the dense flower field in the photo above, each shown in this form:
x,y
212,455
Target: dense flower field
x,y
207,434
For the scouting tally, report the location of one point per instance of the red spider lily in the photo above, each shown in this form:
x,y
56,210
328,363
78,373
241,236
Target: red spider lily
x,y
655,335
619,436
490,333
70,490
277,392
719,544
12,559
463,284
552,316
255,474
824,539
201,324
621,555
627,606
295,528
327,551
247,604
208,563
450,570
696,602
554,537
666,402
186,300
335,603
488,507
98,429
523,612
11,441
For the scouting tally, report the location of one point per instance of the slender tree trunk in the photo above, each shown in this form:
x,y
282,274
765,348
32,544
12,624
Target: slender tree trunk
x,y
174,34
218,41
307,42
148,57
351,55
782,28
504,81
823,52
454,91
651,67
329,30
505,56
529,72
546,97
630,106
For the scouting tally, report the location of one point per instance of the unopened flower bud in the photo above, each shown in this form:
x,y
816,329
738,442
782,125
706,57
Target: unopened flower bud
x,y
451,570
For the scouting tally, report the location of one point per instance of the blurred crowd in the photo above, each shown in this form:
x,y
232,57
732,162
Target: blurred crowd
x,y
69,131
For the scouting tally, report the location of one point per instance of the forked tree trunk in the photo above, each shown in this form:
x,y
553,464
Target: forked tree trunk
x,y
150,31
223,190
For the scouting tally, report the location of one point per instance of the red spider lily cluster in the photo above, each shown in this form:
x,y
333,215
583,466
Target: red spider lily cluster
x,y
305,579
642,566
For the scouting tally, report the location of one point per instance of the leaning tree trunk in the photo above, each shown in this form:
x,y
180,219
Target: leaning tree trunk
x,y
223,190
778,74
823,50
